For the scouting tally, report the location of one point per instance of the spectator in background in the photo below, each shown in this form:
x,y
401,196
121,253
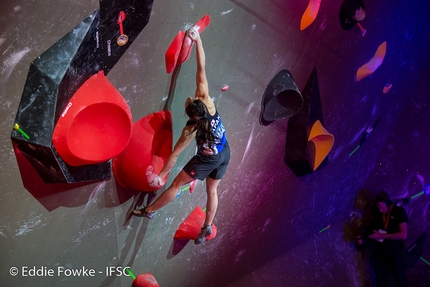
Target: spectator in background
x,y
390,229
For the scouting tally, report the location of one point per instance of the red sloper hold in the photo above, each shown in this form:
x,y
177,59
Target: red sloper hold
x,y
145,280
150,145
172,53
190,228
187,45
95,125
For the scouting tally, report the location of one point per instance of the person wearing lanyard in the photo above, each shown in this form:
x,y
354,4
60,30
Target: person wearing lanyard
x,y
390,229
213,152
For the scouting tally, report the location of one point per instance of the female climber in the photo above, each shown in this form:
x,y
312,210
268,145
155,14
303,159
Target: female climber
x,y
213,152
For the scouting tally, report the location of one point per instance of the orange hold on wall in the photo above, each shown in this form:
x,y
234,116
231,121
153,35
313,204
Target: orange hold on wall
x,y
310,14
322,143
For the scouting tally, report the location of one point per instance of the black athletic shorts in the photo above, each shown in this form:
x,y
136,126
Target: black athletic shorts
x,y
214,166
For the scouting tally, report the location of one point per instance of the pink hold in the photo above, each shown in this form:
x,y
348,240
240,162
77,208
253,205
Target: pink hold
x,y
225,88
387,88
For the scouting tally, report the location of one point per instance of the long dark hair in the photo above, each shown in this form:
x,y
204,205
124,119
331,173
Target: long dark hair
x,y
198,112
383,197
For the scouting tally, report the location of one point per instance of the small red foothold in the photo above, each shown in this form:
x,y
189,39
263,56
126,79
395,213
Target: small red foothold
x,y
192,186
225,88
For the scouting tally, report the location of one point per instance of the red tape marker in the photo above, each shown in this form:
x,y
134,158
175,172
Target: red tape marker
x,y
121,18
363,31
